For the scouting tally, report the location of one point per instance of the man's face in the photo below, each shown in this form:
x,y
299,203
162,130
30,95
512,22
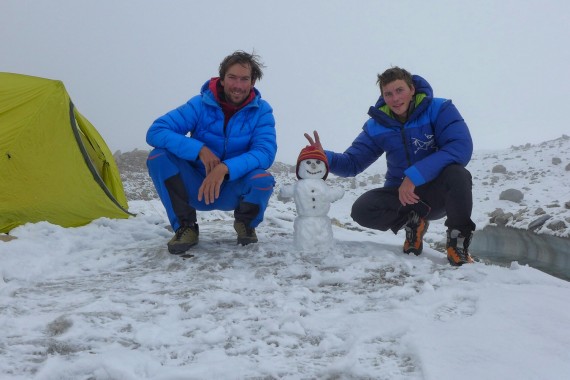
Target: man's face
x,y
398,96
237,83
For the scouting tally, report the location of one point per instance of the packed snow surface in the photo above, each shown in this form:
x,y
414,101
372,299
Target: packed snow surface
x,y
107,300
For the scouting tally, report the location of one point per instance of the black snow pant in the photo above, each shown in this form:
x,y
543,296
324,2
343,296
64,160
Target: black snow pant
x,y
447,195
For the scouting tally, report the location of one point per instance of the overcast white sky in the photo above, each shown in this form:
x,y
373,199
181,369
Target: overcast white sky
x,y
126,62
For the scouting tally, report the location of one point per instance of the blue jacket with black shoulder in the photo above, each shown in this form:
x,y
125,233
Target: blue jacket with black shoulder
x,y
434,136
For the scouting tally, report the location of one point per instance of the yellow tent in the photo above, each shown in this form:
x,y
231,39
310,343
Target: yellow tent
x,y
54,165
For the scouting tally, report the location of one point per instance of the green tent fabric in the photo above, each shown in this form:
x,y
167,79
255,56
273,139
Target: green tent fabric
x,y
54,165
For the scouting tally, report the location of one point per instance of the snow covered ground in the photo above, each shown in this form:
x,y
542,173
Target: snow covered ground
x,y
107,301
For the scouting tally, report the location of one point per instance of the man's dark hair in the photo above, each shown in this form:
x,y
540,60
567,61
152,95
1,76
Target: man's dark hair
x,y
392,74
243,58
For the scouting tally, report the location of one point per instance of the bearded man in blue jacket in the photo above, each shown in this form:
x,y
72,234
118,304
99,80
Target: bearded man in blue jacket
x,y
213,152
427,145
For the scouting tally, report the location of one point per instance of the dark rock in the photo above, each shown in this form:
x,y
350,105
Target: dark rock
x,y
512,195
499,169
556,225
537,223
502,220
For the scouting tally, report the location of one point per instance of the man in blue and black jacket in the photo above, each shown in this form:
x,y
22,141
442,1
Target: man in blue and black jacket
x,y
427,146
213,152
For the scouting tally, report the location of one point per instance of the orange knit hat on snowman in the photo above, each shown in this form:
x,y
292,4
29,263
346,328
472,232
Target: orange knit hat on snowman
x,y
311,152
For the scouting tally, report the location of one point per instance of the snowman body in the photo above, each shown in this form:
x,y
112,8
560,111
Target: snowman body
x,y
313,198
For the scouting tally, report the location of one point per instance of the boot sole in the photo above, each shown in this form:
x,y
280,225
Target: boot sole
x,y
179,249
246,241
454,264
416,252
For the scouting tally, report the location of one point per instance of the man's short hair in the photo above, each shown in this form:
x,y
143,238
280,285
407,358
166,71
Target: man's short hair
x,y
392,74
243,58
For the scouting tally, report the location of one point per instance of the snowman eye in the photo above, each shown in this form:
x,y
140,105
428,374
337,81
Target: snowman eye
x,y
318,162
308,162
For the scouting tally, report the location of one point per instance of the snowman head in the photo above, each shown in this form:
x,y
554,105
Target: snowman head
x,y
312,168
312,163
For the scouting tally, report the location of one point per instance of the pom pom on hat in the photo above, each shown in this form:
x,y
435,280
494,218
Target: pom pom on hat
x,y
311,152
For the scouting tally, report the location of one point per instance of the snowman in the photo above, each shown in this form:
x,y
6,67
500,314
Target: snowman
x,y
312,196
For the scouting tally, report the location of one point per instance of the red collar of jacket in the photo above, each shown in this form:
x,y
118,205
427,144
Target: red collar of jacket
x,y
229,109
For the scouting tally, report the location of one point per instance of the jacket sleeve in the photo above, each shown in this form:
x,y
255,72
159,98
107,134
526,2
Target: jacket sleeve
x,y
362,153
454,143
263,146
170,131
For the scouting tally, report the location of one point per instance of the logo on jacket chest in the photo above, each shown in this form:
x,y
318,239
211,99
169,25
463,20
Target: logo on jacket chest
x,y
427,144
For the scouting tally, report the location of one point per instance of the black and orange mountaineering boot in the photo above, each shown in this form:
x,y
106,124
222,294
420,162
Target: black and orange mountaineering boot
x,y
416,228
458,247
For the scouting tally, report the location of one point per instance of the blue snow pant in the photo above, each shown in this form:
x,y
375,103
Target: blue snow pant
x,y
447,195
177,182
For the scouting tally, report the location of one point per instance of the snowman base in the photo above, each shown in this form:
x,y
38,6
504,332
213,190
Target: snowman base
x,y
313,233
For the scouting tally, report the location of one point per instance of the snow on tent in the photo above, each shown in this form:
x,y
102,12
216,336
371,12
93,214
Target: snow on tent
x,y
54,165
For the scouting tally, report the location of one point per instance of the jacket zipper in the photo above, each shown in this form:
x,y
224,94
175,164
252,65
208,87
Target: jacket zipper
x,y
405,145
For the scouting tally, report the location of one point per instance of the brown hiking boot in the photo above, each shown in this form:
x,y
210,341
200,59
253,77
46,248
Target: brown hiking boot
x,y
458,248
416,228
185,237
246,235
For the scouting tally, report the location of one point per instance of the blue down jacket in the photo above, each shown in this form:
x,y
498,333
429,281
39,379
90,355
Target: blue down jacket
x,y
247,143
434,136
